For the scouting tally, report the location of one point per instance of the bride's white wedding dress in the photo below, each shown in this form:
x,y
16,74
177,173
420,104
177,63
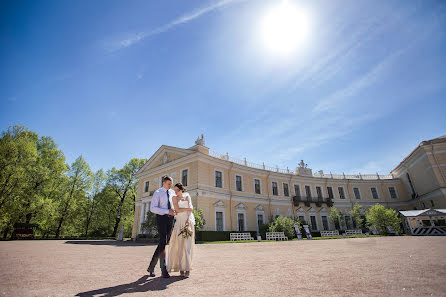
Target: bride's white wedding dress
x,y
180,250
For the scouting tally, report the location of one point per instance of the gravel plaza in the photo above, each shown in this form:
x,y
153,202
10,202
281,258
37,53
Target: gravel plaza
x,y
380,266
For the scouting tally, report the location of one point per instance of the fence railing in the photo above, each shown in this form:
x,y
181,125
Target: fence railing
x,y
244,162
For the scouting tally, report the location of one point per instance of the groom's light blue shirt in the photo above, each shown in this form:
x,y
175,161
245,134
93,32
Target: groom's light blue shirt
x,y
159,201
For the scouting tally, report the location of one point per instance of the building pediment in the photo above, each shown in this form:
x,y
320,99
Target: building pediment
x,y
323,209
219,204
260,207
240,206
165,154
300,210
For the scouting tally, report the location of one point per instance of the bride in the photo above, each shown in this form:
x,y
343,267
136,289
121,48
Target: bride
x,y
182,240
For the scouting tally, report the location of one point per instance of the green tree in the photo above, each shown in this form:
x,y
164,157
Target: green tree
x,y
30,171
199,219
336,217
283,224
93,197
79,183
123,183
381,217
358,215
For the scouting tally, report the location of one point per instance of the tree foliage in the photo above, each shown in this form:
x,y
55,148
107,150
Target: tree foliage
x,y
358,216
335,216
380,217
37,186
283,224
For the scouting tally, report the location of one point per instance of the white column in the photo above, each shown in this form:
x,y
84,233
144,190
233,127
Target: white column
x,y
141,216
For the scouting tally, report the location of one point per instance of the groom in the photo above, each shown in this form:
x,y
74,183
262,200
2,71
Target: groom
x,y
161,205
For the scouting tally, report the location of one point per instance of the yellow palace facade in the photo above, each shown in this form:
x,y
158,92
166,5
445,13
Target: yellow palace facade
x,y
236,195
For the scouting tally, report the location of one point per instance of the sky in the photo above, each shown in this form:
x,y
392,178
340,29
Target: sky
x,y
359,87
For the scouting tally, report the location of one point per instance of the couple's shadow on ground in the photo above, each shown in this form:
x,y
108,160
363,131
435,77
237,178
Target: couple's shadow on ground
x,y
143,284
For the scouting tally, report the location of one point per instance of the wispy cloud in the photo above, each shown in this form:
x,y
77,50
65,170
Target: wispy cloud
x,y
137,37
376,73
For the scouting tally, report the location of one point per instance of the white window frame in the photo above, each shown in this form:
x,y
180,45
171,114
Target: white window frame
x,y
181,176
278,188
396,192
377,193
283,189
222,210
359,191
313,214
222,178
343,190
328,195
300,189
260,184
311,191
322,191
328,220
148,188
235,182
242,211
259,212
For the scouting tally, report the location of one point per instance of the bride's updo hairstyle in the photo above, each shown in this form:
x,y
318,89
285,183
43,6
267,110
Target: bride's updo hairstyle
x,y
181,187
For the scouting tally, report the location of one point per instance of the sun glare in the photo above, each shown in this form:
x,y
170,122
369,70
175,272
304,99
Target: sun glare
x,y
284,28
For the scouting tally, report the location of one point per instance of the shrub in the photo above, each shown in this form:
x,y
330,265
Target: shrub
x,y
381,217
283,224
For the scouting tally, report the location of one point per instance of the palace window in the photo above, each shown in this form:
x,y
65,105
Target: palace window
x,y
219,220
330,192
297,190
319,192
324,222
259,221
357,193
241,221
374,193
184,177
308,192
392,192
275,190
238,183
286,191
313,223
302,219
341,193
432,203
146,186
218,179
257,186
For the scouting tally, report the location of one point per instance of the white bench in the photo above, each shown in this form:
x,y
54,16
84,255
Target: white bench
x,y
329,233
276,236
240,236
353,232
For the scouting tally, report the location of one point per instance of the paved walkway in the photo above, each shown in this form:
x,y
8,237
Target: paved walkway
x,y
385,266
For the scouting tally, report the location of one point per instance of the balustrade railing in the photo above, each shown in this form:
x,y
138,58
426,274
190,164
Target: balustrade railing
x,y
244,162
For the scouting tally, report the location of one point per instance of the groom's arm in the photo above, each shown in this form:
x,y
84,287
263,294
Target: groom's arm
x,y
154,206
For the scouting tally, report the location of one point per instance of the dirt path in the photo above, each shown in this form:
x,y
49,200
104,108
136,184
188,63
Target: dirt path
x,y
386,266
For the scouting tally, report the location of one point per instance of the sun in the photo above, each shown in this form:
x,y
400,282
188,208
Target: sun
x,y
284,28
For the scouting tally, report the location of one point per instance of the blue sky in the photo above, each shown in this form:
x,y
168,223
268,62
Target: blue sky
x,y
113,80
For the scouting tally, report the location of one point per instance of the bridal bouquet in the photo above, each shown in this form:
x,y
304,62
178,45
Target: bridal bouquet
x,y
186,231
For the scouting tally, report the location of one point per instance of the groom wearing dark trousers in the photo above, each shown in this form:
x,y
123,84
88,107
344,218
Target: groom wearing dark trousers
x,y
161,205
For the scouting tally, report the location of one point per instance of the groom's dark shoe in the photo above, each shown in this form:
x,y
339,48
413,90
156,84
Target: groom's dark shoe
x,y
151,273
165,274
